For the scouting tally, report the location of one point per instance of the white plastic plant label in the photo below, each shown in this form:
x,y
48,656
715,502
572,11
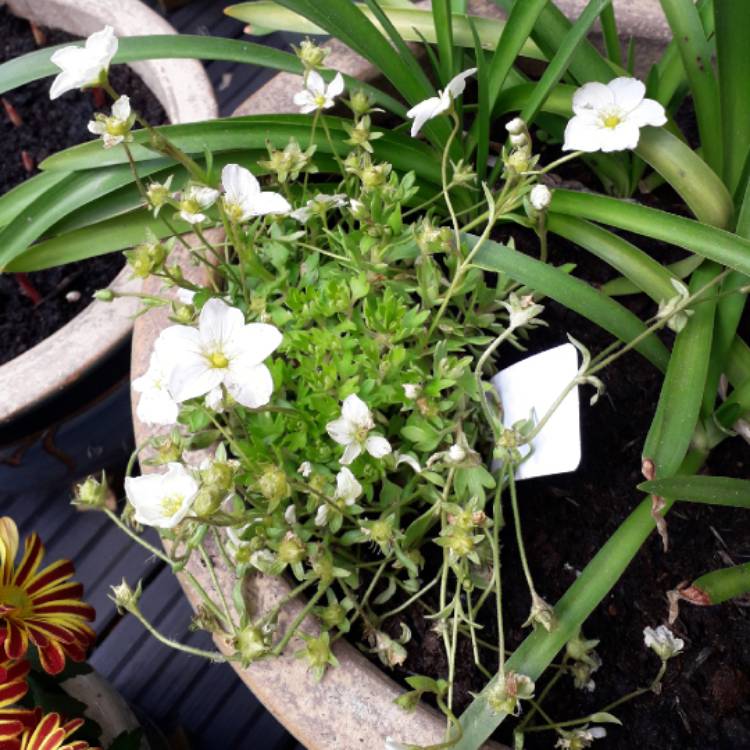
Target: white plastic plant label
x,y
529,388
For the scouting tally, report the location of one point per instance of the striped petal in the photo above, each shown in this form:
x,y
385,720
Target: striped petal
x,y
32,559
53,574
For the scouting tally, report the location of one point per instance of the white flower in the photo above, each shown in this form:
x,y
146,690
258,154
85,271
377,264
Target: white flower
x,y
456,454
290,514
540,197
348,488
156,405
243,198
663,642
321,203
305,468
579,739
114,129
162,500
321,517
221,350
352,430
436,105
412,390
195,202
316,95
610,117
85,66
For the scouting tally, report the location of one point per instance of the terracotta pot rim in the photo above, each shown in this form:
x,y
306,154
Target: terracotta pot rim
x,y
186,93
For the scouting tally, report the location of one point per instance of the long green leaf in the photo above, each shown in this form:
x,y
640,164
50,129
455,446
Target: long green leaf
x,y
611,36
57,202
443,22
414,25
734,493
707,241
695,51
720,586
575,294
646,274
677,412
36,65
561,60
251,132
732,24
680,269
15,200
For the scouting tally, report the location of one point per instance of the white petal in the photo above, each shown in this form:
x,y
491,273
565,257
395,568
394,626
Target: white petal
x,y
270,203
409,460
355,410
457,85
315,84
194,378
377,446
63,83
342,431
239,183
121,108
648,112
191,218
219,323
215,399
628,92
593,95
157,407
425,111
350,453
96,127
321,517
348,488
253,344
252,388
623,136
305,101
102,45
176,341
582,135
205,196
336,86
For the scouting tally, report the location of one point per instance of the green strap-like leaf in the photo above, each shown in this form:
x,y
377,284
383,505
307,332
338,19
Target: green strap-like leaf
x,y
707,241
571,292
37,65
734,493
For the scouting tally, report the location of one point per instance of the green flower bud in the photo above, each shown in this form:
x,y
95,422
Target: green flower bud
x,y
104,295
506,695
93,494
332,616
273,485
361,103
310,54
125,599
250,644
146,258
291,549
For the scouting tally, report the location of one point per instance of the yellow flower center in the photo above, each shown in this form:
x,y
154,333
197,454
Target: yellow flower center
x,y
217,360
611,121
320,101
16,597
171,505
361,434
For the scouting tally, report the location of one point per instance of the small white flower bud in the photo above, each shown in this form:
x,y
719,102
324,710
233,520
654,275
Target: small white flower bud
x,y
519,139
412,390
516,126
540,197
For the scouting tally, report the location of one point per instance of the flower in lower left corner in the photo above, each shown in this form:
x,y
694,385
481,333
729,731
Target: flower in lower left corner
x,y
53,733
42,606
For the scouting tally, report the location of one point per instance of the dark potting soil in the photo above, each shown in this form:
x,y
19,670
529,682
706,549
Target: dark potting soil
x,y
705,701
46,127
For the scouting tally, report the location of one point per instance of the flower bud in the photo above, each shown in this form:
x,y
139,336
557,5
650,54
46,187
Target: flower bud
x,y
273,485
158,194
516,126
250,644
540,197
505,696
93,494
361,103
146,258
104,295
125,599
521,139
310,54
291,549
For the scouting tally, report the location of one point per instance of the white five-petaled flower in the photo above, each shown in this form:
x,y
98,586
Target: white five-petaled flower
x,y
114,129
195,202
319,205
85,66
663,642
436,105
578,739
243,198
316,94
162,500
610,117
156,404
352,430
348,488
221,350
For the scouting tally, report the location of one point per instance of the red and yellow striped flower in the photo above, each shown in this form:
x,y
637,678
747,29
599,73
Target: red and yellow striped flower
x,y
13,687
50,733
41,606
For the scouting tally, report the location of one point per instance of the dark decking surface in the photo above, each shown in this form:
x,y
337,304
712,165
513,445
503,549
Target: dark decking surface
x,y
175,691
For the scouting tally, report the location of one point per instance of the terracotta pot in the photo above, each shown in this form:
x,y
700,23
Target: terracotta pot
x,y
185,92
352,708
